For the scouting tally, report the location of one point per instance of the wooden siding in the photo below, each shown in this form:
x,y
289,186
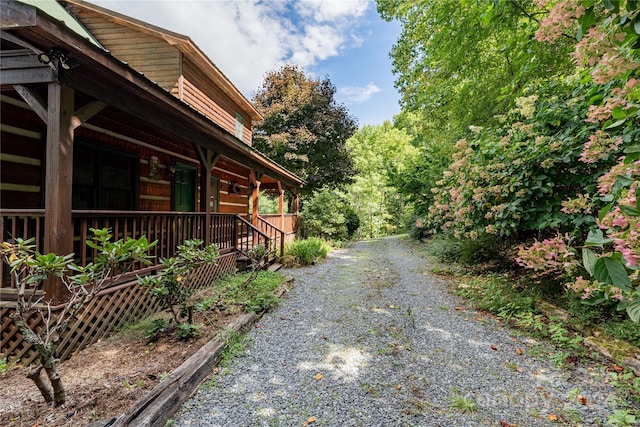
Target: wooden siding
x,y
203,94
230,173
163,63
21,152
22,160
154,57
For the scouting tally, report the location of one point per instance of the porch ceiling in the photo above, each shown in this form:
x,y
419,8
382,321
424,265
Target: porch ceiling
x,y
105,78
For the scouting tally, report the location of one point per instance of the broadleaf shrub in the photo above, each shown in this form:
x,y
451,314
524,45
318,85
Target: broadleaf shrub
x,y
305,252
329,216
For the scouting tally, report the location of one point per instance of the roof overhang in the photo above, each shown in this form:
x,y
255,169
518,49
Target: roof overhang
x,y
185,45
105,78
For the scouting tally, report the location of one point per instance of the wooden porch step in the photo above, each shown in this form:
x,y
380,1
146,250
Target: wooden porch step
x,y
275,267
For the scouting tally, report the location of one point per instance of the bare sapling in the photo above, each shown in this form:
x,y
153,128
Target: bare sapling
x,y
41,324
258,259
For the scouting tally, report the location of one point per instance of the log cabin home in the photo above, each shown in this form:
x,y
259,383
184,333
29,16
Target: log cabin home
x,y
108,121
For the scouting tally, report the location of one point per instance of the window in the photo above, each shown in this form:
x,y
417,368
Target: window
x,y
103,178
239,127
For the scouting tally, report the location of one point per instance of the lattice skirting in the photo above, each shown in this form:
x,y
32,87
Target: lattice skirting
x,y
108,311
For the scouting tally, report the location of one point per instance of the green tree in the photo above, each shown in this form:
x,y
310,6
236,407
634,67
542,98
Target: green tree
x,y
304,129
328,215
419,172
463,62
378,153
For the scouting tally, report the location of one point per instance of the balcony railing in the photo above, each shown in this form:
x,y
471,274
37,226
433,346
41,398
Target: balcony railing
x,y
229,231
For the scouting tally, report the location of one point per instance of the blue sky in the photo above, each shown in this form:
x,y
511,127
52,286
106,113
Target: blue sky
x,y
344,40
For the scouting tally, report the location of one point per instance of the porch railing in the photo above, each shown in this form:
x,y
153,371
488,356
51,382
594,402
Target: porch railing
x,y
229,231
274,233
250,236
285,222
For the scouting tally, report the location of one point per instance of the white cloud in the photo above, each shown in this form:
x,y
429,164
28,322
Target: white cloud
x,y
356,94
331,10
318,43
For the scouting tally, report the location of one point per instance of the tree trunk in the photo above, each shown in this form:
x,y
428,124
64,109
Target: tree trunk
x,y
34,375
48,360
59,394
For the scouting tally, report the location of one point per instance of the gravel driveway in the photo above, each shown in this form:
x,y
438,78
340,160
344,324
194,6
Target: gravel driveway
x,y
369,338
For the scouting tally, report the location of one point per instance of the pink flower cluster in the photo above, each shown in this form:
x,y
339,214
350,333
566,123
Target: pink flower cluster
x,y
583,286
561,17
608,180
550,254
619,99
599,147
624,228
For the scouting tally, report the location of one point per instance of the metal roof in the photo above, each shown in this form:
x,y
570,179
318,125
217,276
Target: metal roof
x,y
59,13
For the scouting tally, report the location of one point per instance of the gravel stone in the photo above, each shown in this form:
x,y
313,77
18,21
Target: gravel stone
x,y
394,348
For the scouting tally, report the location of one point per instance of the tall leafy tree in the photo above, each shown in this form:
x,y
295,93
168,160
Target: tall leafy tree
x,y
463,62
379,152
304,128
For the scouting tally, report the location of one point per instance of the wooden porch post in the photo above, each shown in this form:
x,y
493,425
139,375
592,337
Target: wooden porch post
x,y
281,205
208,160
255,200
58,180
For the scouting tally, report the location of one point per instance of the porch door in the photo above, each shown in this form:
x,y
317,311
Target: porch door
x,y
184,189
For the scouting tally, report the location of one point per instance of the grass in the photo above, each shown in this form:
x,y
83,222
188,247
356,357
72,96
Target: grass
x,y
230,294
463,404
4,366
305,252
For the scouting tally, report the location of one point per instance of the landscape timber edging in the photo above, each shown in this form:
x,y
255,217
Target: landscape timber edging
x,y
166,398
616,350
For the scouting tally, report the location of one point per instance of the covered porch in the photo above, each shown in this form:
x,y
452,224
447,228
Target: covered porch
x,y
89,142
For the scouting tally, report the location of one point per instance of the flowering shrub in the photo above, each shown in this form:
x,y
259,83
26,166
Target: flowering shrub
x,y
565,161
549,254
611,255
525,176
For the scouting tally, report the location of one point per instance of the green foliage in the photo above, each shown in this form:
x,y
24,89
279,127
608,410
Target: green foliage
x,y
157,327
623,329
304,128
495,294
448,248
235,344
305,252
462,63
464,404
379,152
351,221
4,366
445,248
622,417
628,386
416,175
514,179
170,286
327,215
29,269
186,331
232,293
416,228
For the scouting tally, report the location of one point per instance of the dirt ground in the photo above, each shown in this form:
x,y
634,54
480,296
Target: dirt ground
x,y
103,380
